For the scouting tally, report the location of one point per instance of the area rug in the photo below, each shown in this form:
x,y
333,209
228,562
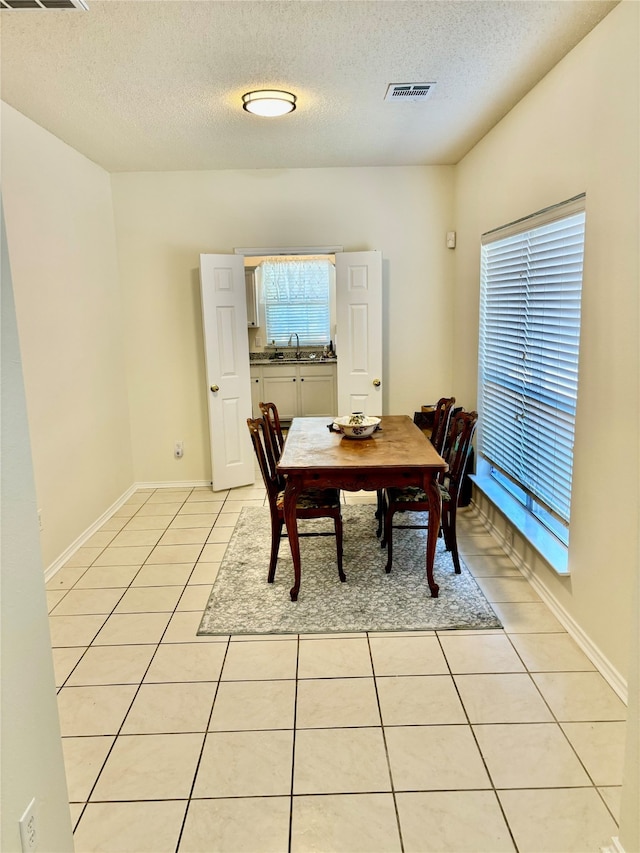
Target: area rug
x,y
242,602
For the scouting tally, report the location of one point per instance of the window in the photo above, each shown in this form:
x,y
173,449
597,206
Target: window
x,y
297,299
531,282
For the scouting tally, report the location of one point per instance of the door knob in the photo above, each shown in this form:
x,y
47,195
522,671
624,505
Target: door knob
x,y
215,388
376,382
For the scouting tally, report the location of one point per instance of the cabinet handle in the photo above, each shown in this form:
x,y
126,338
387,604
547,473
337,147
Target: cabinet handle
x,y
215,388
377,382
302,380
294,380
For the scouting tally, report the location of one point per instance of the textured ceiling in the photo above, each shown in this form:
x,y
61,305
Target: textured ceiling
x,y
157,84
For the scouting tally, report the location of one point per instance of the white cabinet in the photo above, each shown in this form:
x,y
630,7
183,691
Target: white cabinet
x,y
280,386
296,389
317,390
257,396
253,320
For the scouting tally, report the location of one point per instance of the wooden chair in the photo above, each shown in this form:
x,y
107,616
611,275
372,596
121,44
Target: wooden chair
x,y
413,499
441,419
439,431
274,429
313,503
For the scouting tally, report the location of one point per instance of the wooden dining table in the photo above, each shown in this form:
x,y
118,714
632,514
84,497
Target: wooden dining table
x,y
398,454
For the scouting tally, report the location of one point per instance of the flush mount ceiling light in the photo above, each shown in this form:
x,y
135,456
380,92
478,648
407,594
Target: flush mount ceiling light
x,y
269,102
43,4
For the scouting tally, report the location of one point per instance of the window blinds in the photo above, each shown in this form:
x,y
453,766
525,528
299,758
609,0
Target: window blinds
x,y
296,298
531,282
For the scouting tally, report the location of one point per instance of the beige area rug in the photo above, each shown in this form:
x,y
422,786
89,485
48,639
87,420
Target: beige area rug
x,y
242,602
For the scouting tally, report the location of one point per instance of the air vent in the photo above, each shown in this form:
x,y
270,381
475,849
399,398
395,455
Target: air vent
x,y
408,91
43,4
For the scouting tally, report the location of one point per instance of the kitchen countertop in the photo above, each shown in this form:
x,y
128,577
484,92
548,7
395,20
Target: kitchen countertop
x,y
306,360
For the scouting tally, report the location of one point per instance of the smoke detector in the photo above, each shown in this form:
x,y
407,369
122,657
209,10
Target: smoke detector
x,y
408,91
43,4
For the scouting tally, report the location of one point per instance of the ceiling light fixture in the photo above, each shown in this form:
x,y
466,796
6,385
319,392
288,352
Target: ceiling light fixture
x,y
269,102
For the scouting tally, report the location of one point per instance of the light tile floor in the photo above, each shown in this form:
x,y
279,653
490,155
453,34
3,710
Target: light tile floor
x,y
425,743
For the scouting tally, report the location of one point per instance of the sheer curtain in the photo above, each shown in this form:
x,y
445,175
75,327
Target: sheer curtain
x,y
296,297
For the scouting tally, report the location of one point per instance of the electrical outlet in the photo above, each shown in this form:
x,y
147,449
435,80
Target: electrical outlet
x,y
40,524
258,341
29,829
178,449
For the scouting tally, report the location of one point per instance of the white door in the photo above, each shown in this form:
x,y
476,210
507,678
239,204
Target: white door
x,y
224,317
359,332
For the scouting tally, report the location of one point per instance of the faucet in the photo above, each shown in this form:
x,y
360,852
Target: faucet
x,y
298,353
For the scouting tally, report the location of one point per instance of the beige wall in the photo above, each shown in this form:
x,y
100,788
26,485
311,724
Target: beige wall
x,y
61,238
164,221
32,764
577,131
90,358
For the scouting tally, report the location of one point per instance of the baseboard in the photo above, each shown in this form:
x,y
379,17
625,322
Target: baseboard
x,y
174,484
57,564
604,666
88,533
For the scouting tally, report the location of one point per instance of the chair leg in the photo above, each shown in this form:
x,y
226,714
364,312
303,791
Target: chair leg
x,y
453,540
338,528
445,526
276,533
380,511
382,523
388,518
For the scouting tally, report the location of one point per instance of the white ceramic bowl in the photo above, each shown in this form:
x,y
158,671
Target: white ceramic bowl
x,y
357,427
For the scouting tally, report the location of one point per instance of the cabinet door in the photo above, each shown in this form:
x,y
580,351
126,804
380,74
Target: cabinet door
x,y
281,390
256,391
317,394
252,301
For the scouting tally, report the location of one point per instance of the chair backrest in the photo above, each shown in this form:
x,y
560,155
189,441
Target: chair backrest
x,y
441,418
461,432
258,431
274,430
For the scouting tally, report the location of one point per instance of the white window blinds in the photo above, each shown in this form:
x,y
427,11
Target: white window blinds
x,y
296,295
531,282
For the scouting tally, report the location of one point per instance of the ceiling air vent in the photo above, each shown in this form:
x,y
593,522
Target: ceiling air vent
x,y
408,91
43,4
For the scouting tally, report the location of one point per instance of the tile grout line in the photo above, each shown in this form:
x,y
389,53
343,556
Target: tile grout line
x,y
293,744
139,684
206,732
73,587
480,753
135,694
558,723
386,747
202,748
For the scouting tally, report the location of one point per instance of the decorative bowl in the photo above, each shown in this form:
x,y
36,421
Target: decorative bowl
x,y
356,425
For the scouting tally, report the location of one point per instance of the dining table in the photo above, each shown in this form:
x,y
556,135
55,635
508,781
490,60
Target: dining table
x,y
398,454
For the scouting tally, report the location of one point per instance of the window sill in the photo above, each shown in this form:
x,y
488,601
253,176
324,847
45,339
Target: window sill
x,y
531,530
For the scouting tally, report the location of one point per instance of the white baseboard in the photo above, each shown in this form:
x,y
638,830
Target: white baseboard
x,y
57,564
173,484
604,666
88,533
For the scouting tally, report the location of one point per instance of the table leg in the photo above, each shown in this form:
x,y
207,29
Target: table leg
x,y
291,492
435,514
